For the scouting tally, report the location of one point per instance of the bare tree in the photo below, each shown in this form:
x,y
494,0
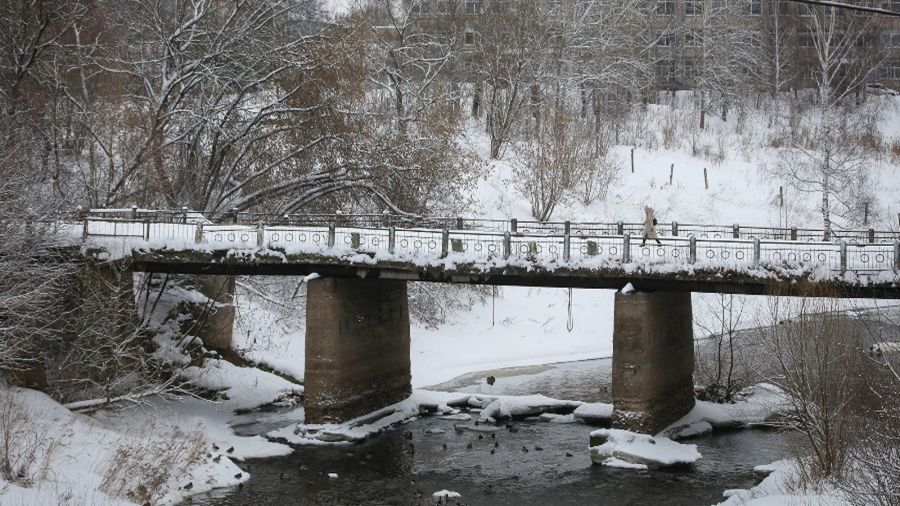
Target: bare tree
x,y
723,367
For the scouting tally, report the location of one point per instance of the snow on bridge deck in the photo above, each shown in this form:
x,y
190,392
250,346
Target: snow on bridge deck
x,y
710,258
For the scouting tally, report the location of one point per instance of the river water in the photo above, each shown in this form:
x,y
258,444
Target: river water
x,y
407,464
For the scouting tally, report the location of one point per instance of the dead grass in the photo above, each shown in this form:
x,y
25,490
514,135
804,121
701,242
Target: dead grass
x,y
144,464
25,449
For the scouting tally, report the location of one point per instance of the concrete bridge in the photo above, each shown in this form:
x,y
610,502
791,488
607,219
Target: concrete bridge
x,y
358,337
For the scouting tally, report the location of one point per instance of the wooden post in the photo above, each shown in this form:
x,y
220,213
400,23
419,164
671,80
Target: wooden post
x,y
781,196
632,160
865,213
705,179
756,252
843,257
671,173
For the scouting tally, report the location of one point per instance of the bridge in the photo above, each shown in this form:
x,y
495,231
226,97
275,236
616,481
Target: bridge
x,y
357,338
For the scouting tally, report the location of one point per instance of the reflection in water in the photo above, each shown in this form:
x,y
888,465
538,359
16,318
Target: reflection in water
x,y
406,464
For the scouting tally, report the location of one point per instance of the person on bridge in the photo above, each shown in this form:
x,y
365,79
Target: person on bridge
x,y
649,226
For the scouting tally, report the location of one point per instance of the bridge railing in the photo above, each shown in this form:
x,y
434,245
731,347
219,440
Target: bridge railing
x,y
722,246
386,220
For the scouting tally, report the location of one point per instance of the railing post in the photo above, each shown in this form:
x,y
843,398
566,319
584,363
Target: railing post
x,y
626,248
736,231
445,242
385,218
392,239
133,212
567,227
147,229
84,230
843,257
184,214
234,215
260,235
507,245
198,234
620,228
331,234
897,256
756,252
514,225
692,250
675,229
827,235
459,223
871,236
567,245
793,233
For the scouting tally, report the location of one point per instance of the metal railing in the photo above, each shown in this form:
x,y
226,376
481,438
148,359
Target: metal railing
x,y
474,241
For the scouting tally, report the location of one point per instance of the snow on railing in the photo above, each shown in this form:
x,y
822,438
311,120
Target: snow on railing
x,y
705,245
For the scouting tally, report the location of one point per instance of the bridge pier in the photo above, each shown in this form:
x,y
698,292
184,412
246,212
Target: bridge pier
x,y
217,331
653,360
357,347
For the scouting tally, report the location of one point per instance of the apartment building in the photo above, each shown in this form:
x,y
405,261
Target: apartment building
x,y
691,38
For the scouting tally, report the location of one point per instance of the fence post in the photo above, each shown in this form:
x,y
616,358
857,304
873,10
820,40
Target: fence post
x,y
234,215
567,245
260,235
871,235
756,252
513,225
675,228
331,235
507,245
736,231
620,228
198,234
626,248
692,250
392,239
445,242
793,233
843,257
896,256
459,223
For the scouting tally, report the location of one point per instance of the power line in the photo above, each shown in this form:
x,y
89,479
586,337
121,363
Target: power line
x,y
839,5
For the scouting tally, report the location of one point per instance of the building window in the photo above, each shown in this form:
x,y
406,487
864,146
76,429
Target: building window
x,y
754,39
691,70
665,7
753,7
693,7
890,70
693,38
473,6
806,38
666,39
665,69
890,38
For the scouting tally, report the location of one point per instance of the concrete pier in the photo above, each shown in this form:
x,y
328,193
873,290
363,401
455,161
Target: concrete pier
x,y
357,347
217,331
653,360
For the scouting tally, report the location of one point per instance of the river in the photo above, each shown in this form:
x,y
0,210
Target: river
x,y
406,464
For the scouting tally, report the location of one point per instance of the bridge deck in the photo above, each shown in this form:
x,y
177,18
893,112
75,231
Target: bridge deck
x,y
577,257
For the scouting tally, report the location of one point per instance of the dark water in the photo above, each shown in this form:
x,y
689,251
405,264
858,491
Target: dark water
x,y
408,463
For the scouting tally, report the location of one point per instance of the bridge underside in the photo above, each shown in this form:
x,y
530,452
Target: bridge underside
x,y
613,277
